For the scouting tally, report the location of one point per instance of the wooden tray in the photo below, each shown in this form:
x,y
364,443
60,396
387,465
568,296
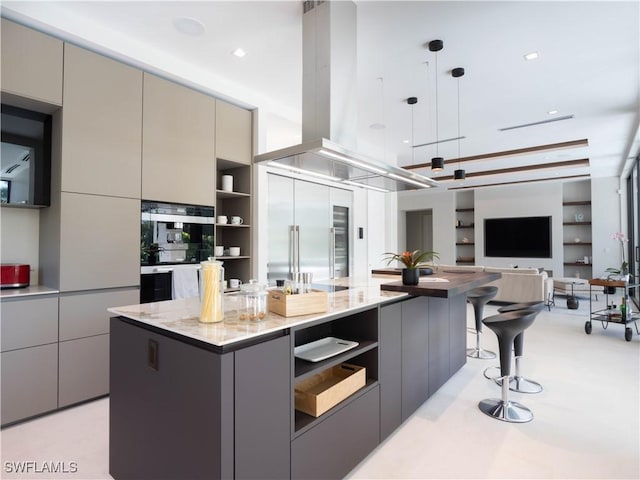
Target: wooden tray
x,y
319,393
300,304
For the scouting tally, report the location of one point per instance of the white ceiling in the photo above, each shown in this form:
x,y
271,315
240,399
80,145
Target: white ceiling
x,y
589,67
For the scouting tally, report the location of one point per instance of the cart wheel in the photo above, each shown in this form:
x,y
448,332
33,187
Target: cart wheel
x,y
587,327
628,333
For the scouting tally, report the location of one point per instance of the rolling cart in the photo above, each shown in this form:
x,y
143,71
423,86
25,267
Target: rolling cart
x,y
609,314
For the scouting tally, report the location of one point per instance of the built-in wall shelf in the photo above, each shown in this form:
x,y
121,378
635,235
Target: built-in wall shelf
x,y
465,226
582,202
467,261
227,194
465,243
576,227
465,209
577,243
577,264
584,224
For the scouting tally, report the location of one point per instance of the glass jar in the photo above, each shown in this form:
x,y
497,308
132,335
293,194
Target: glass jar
x,y
211,289
255,301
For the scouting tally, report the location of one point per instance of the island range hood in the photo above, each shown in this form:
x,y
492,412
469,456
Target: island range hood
x,y
329,124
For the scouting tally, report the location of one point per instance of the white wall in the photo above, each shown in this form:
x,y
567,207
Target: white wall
x,y
442,204
19,232
536,200
606,213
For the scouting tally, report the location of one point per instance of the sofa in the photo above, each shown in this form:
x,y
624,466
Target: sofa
x,y
516,284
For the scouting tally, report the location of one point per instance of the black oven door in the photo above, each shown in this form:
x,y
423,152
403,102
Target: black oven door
x,y
155,287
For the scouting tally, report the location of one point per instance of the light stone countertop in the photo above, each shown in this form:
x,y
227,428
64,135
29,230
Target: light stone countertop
x,y
182,316
32,290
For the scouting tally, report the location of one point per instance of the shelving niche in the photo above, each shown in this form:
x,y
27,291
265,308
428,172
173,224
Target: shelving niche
x,y
576,226
465,228
361,327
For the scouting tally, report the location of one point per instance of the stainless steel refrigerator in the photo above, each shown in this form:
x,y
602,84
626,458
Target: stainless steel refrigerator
x,y
309,229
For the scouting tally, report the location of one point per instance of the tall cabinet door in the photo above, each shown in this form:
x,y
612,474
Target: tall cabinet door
x,y
312,217
280,227
102,125
178,154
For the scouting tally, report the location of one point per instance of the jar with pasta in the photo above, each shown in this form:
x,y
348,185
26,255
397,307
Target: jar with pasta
x,y
212,277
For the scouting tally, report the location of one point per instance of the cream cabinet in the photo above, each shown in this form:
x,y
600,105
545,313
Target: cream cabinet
x,y
178,153
233,133
31,64
102,125
99,242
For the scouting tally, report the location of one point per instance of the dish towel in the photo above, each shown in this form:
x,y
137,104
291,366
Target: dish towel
x,y
184,282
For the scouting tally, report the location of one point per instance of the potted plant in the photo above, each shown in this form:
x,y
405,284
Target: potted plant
x,y
151,251
411,261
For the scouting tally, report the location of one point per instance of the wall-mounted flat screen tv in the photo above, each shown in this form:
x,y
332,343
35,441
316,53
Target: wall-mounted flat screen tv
x,y
524,237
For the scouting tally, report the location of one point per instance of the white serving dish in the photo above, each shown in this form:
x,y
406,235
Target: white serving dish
x,y
324,348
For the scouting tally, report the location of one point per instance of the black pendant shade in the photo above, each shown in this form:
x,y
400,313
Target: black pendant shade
x,y
437,164
459,174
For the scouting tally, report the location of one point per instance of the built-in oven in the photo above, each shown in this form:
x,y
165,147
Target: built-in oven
x,y
171,235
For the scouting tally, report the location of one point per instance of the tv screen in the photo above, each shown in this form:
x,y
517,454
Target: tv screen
x,y
526,237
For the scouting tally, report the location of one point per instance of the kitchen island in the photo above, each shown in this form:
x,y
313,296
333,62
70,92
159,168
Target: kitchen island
x,y
192,400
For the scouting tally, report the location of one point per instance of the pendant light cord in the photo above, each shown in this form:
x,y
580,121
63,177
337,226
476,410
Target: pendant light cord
x,y
458,122
437,144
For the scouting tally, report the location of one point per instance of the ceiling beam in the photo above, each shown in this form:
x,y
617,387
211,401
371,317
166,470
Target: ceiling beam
x,y
574,177
509,153
583,162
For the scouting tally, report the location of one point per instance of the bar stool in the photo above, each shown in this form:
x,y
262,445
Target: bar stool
x,y
507,326
478,297
517,383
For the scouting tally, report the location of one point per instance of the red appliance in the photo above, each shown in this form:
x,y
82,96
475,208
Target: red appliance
x,y
14,275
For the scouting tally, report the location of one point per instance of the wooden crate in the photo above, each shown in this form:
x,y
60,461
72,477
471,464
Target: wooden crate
x,y
319,393
300,304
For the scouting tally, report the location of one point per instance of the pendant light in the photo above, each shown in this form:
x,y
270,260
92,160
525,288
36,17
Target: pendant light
x,y
459,174
437,162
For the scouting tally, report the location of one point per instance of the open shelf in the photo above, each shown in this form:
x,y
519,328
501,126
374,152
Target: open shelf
x,y
304,422
304,369
465,209
582,202
586,224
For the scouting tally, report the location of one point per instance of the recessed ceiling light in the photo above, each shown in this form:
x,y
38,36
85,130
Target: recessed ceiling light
x,y
377,126
552,112
188,26
532,56
238,52
405,141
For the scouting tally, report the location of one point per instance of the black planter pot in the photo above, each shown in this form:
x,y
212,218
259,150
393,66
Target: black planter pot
x,y
410,276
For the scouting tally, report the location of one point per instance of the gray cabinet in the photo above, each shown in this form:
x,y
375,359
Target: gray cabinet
x,y
415,354
390,368
99,242
102,125
438,341
457,332
178,154
171,407
336,445
263,410
83,369
29,382
234,137
85,314
28,322
31,64
29,358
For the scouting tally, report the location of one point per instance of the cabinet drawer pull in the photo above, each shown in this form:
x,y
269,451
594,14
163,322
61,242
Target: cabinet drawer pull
x,y
152,354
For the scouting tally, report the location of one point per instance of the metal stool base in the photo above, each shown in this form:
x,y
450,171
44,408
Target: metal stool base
x,y
513,412
521,385
495,377
480,353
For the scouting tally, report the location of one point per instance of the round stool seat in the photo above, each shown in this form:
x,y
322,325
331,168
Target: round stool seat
x,y
507,326
538,306
478,297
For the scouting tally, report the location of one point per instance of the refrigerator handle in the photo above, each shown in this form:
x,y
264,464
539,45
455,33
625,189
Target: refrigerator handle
x,y
332,252
296,249
292,250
